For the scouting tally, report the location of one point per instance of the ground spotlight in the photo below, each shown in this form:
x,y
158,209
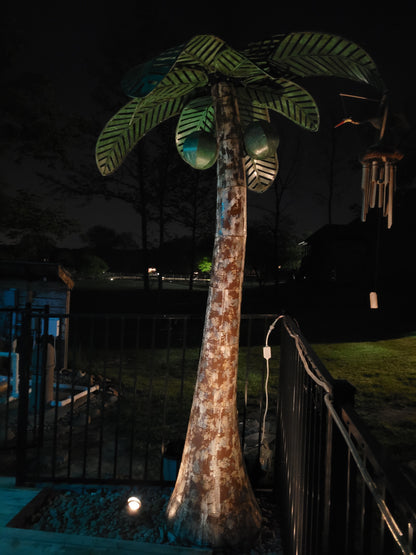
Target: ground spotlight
x,y
134,504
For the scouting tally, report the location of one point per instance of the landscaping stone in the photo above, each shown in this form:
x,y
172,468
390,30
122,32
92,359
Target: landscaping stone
x,y
103,512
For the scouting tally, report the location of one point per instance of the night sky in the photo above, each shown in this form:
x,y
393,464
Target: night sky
x,y
68,43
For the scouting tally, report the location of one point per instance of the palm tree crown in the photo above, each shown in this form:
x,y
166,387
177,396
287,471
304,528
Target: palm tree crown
x,y
264,74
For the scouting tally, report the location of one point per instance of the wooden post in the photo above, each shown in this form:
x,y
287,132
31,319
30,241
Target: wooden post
x,y
213,503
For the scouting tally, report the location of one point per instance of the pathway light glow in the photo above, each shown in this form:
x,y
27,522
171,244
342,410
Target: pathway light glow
x,y
134,504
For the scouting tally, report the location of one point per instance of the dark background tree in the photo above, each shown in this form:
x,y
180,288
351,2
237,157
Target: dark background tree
x,y
195,198
32,227
101,238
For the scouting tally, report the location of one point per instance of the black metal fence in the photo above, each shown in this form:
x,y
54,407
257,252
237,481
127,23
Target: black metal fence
x,y
338,495
117,411
106,398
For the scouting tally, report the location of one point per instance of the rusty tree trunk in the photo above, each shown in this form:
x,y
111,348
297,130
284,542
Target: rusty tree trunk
x,y
213,503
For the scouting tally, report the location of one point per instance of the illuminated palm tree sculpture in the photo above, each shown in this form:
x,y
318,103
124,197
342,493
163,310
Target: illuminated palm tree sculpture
x,y
223,97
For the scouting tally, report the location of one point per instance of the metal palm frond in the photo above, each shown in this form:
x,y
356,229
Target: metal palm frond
x,y
142,79
177,83
163,86
286,98
250,111
260,174
140,115
201,52
198,115
127,127
309,54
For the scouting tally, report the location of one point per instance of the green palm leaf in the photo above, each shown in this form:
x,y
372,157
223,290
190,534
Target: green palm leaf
x,y
198,115
248,110
127,127
177,83
141,115
213,55
290,100
260,174
314,54
142,79
201,51
233,64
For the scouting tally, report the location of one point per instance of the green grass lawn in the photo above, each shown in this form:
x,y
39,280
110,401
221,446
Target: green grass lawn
x,y
157,385
384,374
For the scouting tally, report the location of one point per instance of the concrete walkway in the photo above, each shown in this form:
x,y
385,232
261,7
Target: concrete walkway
x,y
19,541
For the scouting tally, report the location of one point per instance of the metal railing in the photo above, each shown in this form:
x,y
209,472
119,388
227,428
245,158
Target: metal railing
x,y
117,412
339,496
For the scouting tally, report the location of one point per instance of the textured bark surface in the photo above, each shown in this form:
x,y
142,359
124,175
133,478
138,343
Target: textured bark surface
x,y
213,502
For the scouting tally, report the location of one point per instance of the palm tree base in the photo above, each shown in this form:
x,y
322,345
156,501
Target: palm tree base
x,y
213,503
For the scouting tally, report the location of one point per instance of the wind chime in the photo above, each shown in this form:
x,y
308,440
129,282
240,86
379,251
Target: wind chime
x,y
378,181
378,184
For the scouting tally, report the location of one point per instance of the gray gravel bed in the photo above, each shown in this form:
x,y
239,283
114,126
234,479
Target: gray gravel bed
x,y
102,511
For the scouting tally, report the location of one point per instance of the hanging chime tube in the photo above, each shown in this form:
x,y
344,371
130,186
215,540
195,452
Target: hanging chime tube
x,y
381,182
392,182
365,179
378,182
373,183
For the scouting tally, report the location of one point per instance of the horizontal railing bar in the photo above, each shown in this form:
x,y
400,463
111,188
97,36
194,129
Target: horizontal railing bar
x,y
372,486
393,505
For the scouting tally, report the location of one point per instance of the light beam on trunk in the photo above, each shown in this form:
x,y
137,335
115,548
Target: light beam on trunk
x,y
213,502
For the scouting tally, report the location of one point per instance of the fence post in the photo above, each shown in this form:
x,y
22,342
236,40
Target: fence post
x,y
335,525
25,349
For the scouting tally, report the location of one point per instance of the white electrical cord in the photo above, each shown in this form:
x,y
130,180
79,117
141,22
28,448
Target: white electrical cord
x,y
267,354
